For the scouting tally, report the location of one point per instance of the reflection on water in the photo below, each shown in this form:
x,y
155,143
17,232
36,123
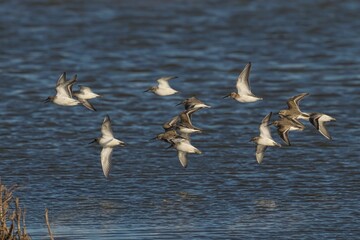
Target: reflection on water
x,y
118,49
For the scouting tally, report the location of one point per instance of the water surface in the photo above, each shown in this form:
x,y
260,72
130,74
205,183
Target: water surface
x,y
118,48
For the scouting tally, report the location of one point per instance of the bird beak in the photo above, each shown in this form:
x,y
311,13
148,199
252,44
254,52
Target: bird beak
x,y
147,90
122,144
92,141
152,139
227,96
179,104
46,100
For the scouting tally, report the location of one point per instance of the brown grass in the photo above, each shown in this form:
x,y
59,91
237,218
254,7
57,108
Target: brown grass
x,y
12,217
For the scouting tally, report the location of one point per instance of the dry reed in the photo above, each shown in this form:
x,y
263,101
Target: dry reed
x,y
12,217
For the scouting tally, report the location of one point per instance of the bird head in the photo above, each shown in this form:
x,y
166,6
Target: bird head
x,y
95,140
150,89
49,99
232,95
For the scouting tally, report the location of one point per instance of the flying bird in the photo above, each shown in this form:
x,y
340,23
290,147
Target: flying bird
x,y
284,125
244,93
163,88
293,112
64,96
84,94
264,140
108,142
193,102
318,121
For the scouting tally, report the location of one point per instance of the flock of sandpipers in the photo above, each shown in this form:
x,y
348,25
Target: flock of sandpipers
x,y
178,129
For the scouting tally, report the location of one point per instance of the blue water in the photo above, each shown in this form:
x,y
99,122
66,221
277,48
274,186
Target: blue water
x,y
118,48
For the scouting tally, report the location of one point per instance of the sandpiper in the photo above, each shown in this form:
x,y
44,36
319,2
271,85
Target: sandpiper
x,y
293,112
244,93
185,125
84,94
284,125
63,95
172,123
264,140
318,120
163,88
193,102
108,142
183,146
167,136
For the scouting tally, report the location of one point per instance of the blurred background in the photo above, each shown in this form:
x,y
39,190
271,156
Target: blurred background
x,y
119,48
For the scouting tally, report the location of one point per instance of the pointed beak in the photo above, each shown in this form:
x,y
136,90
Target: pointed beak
x,y
179,103
46,100
92,141
122,144
227,96
147,90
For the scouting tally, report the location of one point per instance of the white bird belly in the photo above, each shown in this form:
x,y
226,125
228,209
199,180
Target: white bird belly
x,y
186,147
165,91
266,142
247,98
110,142
66,101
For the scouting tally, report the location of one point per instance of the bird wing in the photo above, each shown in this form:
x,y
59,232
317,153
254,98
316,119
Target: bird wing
x,y
323,130
163,81
65,89
242,84
260,151
284,134
61,80
106,162
182,158
106,128
87,104
293,102
314,120
264,127
171,123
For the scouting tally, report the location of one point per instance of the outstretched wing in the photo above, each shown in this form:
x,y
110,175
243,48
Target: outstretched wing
x,y
284,134
61,80
106,128
264,127
293,102
323,130
65,89
163,81
314,120
87,104
260,151
171,123
106,163
182,158
242,84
